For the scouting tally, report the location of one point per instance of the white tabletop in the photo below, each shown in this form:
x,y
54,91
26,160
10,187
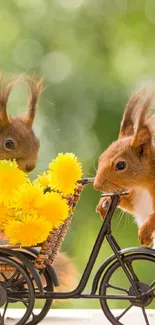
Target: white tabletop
x,y
85,317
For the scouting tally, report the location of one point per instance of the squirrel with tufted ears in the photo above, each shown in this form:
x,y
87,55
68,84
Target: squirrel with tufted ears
x,y
129,165
18,141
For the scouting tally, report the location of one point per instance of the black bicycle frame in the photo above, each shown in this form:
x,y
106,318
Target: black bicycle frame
x,y
93,256
105,231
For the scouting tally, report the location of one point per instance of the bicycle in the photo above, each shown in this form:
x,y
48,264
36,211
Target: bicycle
x,y
25,282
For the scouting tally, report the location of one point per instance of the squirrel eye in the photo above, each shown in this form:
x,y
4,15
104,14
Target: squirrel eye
x,y
9,144
120,165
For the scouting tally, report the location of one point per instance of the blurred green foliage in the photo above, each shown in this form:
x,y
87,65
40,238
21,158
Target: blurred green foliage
x,y
92,54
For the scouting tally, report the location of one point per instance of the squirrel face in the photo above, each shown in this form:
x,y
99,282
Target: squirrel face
x,y
17,139
121,167
128,162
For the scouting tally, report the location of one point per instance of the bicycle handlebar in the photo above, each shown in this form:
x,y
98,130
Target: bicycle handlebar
x,y
88,180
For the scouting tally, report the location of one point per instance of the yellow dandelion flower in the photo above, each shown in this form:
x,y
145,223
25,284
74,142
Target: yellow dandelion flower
x,y
28,198
54,209
29,231
64,173
5,213
11,178
42,180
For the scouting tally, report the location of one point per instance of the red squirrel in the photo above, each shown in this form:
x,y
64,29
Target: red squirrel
x,y
18,141
129,165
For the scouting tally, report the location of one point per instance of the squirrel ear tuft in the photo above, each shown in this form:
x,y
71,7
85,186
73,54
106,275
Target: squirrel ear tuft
x,y
6,85
35,89
126,129
142,133
127,123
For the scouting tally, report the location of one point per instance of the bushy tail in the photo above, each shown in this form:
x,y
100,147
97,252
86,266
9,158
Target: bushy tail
x,y
66,271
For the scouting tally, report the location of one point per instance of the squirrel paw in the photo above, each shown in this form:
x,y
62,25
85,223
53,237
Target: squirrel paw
x,y
103,206
145,235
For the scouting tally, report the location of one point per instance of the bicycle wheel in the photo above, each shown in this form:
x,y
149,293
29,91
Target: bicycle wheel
x,y
14,278
115,282
41,306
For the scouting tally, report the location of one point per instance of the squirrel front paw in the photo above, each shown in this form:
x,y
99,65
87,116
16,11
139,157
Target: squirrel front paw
x,y
145,235
103,206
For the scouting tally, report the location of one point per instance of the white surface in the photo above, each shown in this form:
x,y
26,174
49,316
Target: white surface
x,y
87,316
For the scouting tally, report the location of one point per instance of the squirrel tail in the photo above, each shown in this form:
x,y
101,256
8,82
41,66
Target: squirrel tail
x,y
66,271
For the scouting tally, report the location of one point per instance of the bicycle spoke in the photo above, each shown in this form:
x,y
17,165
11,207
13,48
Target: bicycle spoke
x,y
117,288
33,316
18,282
145,316
130,267
18,275
1,320
4,276
12,277
124,312
152,283
25,302
5,308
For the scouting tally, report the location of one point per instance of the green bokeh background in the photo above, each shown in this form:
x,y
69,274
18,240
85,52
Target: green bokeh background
x,y
92,54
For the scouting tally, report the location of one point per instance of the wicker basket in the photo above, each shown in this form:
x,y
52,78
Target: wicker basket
x,y
50,247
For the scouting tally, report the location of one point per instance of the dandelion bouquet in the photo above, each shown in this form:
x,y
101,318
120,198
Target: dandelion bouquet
x,y
28,212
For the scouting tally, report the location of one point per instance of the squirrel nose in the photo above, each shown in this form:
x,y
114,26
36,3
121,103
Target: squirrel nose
x,y
97,185
29,168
